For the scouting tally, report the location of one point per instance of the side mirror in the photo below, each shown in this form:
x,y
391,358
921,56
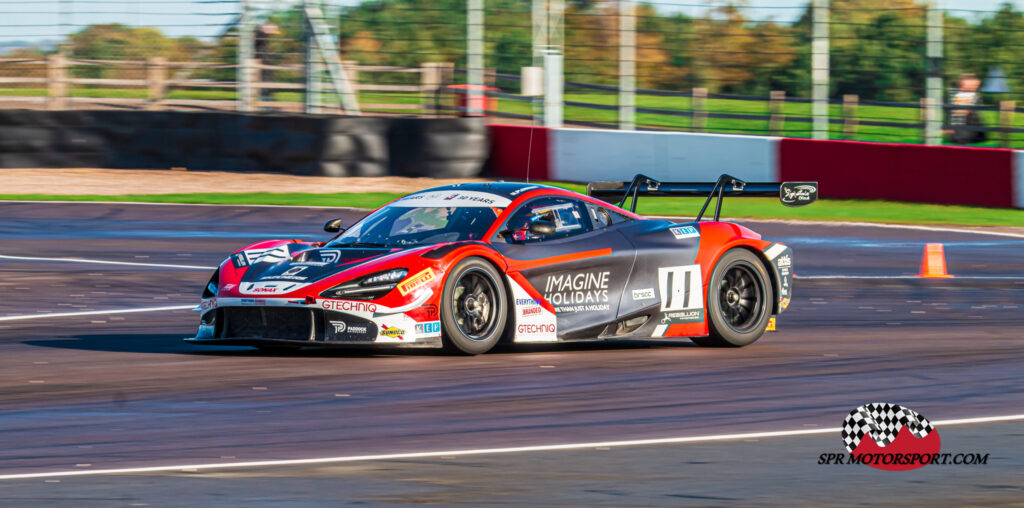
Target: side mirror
x,y
542,227
333,226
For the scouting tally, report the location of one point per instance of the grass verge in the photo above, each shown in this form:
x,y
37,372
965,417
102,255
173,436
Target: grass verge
x,y
751,208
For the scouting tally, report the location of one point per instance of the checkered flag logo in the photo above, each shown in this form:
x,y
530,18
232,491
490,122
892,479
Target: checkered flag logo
x,y
882,421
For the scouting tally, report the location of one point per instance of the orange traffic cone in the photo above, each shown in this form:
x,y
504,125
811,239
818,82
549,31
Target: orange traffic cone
x,y
933,262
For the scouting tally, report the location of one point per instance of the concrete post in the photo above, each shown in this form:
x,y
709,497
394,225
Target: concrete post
x,y
627,65
820,68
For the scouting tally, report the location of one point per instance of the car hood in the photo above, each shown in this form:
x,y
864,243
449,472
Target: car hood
x,y
311,265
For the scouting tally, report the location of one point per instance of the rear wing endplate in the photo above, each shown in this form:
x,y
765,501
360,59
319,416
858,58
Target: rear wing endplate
x,y
789,193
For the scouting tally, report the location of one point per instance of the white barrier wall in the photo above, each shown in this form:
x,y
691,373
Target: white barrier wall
x,y
1018,179
584,155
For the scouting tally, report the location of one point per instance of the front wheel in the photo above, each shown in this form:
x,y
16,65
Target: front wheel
x,y
473,307
739,300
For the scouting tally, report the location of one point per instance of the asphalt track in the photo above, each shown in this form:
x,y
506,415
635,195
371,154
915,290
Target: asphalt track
x,y
122,390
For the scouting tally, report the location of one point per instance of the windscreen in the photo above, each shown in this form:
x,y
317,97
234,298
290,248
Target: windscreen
x,y
398,226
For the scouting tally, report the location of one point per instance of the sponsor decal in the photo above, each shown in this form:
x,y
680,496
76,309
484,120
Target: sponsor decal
x,y
289,274
206,305
524,189
269,288
770,327
683,232
357,329
533,329
394,333
416,281
253,301
527,301
430,310
892,437
229,287
578,292
339,326
682,295
531,311
430,328
239,260
784,304
348,306
798,193
643,294
449,198
328,255
786,260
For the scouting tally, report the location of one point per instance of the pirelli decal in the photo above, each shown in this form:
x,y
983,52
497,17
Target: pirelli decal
x,y
416,281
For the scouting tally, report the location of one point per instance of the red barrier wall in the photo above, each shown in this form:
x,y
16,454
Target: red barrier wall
x,y
517,149
897,172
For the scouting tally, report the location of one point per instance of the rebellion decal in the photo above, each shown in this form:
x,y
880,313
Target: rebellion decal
x,y
416,281
643,294
682,296
347,306
683,232
580,292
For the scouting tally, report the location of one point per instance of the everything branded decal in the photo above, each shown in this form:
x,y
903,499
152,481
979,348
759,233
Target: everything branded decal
x,y
533,323
416,281
683,232
892,437
578,292
682,294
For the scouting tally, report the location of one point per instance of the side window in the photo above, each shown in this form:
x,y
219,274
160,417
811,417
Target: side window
x,y
602,217
568,215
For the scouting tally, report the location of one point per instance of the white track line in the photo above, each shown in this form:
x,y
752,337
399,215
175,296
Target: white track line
x,y
95,312
104,262
485,451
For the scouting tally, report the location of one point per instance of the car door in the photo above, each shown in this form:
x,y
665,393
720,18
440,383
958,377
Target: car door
x,y
581,270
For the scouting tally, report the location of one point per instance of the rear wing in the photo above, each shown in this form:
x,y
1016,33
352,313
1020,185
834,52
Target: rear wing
x,y
789,193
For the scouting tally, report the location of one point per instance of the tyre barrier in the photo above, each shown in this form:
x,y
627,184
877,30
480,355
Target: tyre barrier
x,y
297,144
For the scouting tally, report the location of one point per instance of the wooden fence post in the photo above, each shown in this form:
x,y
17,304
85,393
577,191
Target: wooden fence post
x,y
56,70
430,81
698,104
156,77
777,118
850,115
1006,110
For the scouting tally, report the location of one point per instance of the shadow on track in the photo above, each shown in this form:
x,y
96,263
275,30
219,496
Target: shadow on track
x,y
174,344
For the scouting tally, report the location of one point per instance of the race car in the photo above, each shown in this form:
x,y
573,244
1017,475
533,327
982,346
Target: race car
x,y
467,266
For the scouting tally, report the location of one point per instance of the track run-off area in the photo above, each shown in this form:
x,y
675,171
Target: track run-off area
x,y
103,403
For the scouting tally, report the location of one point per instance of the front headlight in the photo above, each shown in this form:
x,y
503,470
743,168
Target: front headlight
x,y
371,287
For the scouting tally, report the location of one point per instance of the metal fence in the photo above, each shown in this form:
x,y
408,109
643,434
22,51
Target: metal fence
x,y
856,69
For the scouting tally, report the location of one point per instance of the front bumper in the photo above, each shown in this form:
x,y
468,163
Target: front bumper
x,y
279,322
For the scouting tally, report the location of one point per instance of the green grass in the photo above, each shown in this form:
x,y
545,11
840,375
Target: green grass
x,y
576,113
754,208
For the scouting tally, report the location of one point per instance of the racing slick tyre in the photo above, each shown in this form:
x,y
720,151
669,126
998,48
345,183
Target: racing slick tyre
x,y
739,300
473,307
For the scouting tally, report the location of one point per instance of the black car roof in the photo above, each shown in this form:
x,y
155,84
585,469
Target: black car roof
x,y
510,190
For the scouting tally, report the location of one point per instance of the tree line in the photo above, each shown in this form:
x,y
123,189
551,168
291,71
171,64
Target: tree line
x,y
877,47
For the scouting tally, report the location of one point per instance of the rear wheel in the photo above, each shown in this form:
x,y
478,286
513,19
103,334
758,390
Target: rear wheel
x,y
473,307
739,300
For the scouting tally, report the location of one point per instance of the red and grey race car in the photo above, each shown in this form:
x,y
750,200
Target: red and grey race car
x,y
466,266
